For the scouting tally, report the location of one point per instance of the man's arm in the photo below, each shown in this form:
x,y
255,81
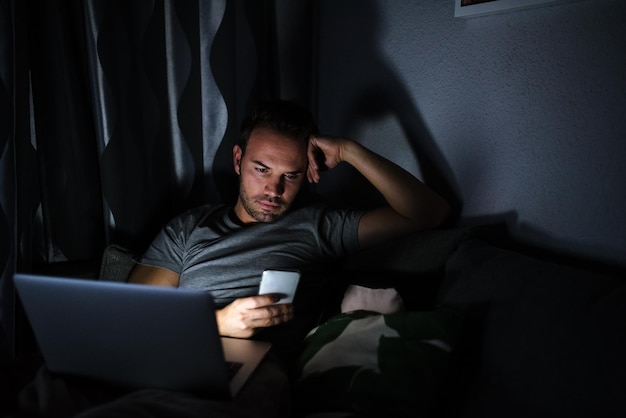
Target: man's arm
x,y
411,204
157,276
242,318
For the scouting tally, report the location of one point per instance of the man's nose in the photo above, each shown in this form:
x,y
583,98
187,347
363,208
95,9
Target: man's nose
x,y
275,186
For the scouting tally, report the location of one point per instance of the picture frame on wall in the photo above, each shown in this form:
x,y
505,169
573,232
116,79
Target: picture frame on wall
x,y
474,8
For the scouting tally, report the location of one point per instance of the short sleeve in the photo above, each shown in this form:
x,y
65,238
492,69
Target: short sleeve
x,y
339,231
168,247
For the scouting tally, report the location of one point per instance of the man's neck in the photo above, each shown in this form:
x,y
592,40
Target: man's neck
x,y
232,214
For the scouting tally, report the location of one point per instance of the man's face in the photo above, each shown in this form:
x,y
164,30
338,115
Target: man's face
x,y
271,172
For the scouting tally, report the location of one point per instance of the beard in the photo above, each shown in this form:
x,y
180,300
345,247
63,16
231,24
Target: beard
x,y
258,213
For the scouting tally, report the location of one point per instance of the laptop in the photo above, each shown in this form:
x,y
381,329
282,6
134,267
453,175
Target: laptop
x,y
135,336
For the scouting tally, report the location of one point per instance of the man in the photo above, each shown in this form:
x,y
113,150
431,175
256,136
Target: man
x,y
216,248
224,249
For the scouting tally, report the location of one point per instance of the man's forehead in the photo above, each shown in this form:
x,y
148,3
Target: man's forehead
x,y
263,140
265,133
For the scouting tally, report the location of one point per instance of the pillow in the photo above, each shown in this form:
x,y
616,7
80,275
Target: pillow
x,y
384,301
418,252
381,365
117,263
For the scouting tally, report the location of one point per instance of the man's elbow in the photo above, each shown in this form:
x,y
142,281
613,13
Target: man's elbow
x,y
439,213
444,213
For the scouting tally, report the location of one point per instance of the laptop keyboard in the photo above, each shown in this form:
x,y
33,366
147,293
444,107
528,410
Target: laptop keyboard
x,y
233,368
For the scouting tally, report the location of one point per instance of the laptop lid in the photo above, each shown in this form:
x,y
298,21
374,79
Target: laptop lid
x,y
135,336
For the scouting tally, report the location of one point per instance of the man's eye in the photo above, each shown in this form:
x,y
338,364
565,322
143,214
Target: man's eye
x,y
291,177
261,169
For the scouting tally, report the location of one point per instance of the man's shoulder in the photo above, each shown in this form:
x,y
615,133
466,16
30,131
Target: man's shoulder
x,y
307,211
320,211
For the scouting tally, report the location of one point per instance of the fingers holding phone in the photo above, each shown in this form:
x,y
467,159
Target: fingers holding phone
x,y
244,317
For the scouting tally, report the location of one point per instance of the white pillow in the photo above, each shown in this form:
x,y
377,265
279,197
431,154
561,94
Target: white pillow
x,y
384,301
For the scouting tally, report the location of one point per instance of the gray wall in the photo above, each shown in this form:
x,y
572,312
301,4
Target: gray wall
x,y
521,115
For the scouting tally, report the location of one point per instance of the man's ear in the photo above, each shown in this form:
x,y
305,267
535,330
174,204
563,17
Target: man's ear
x,y
237,154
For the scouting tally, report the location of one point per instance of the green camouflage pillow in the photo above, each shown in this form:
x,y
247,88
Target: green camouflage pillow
x,y
373,364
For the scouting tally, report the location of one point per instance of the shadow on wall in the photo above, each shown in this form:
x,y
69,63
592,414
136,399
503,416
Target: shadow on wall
x,y
380,93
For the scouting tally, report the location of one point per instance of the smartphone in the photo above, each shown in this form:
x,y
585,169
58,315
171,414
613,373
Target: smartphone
x,y
281,282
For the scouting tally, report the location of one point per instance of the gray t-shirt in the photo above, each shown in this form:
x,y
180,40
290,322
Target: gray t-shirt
x,y
212,252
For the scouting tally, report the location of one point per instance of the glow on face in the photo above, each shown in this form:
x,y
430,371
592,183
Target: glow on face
x,y
271,172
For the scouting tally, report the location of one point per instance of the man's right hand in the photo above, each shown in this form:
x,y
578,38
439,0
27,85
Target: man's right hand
x,y
244,317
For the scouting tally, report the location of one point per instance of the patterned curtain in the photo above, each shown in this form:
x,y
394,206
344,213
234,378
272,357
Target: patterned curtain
x,y
159,115
115,116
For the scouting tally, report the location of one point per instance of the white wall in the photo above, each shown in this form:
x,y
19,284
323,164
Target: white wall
x,y
522,113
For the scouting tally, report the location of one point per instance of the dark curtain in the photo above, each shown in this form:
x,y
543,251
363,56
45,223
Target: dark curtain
x,y
116,115
7,179
128,118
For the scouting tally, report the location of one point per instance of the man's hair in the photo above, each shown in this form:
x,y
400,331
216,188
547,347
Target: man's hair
x,y
285,117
